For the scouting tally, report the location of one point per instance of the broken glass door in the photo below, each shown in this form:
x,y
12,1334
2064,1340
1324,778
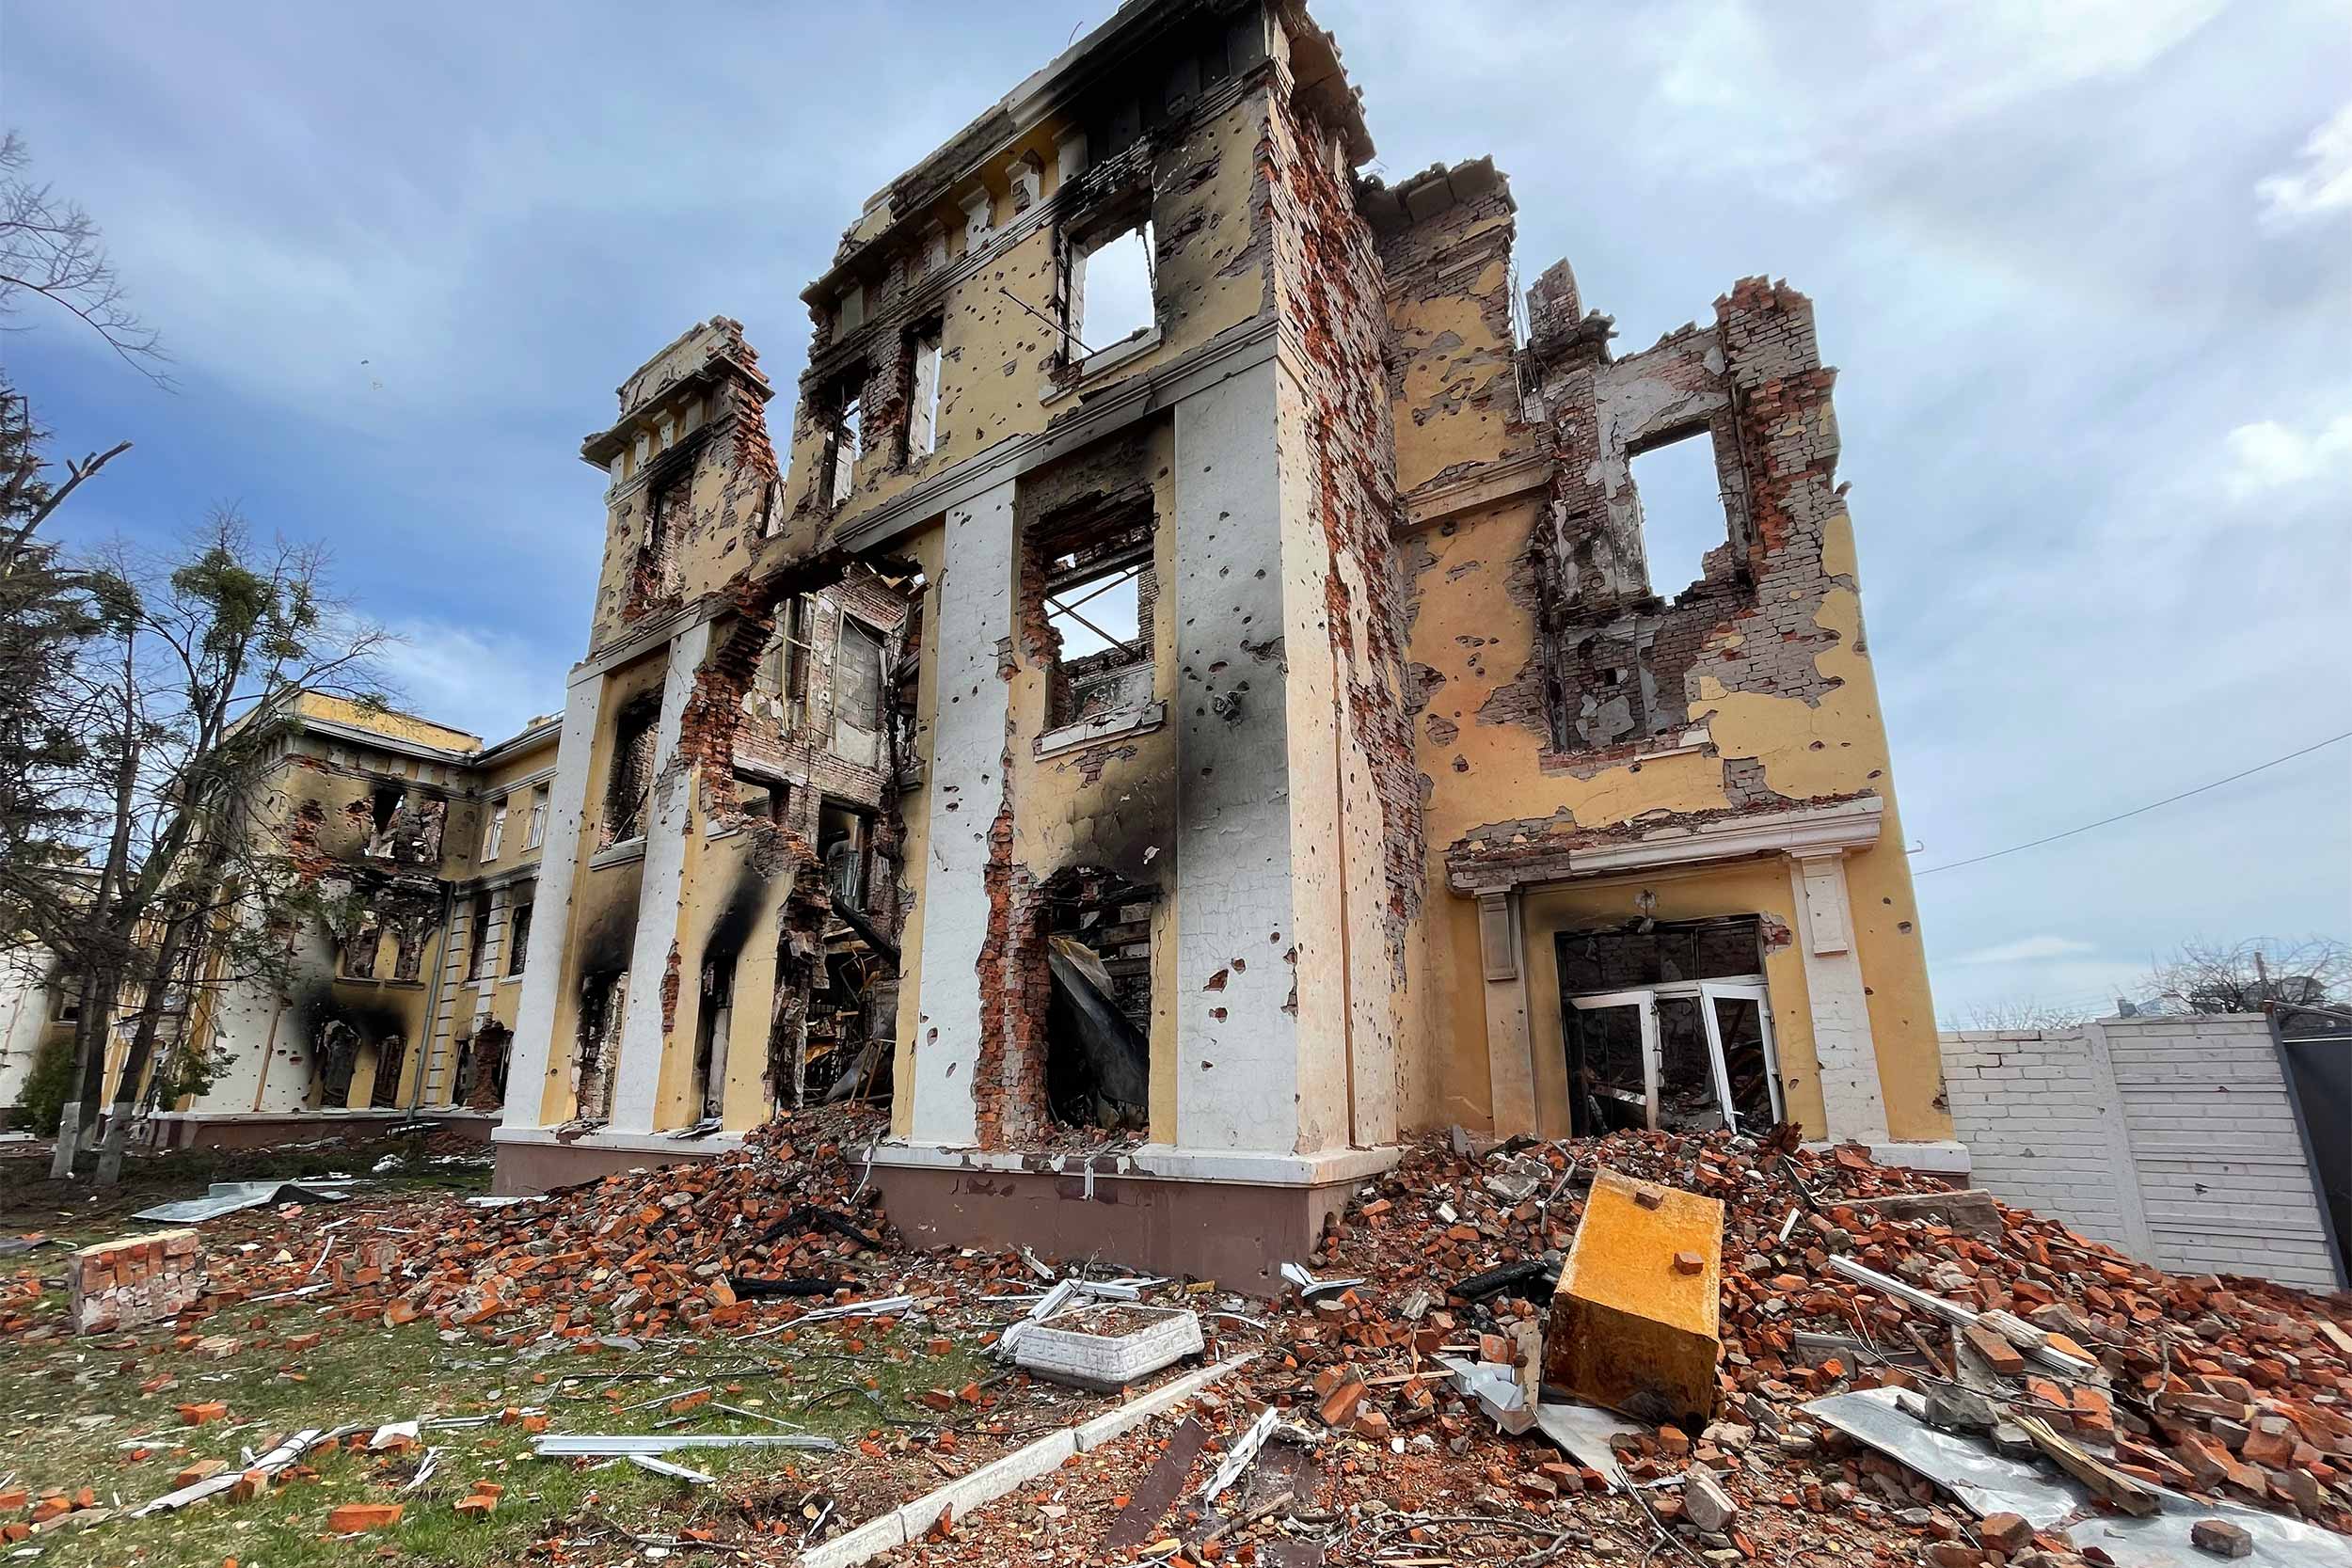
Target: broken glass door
x,y
1612,1062
1691,1056
1741,1018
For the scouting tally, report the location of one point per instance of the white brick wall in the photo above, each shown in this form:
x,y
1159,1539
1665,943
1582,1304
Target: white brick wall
x,y
2171,1138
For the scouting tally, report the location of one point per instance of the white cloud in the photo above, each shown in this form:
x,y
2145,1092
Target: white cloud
x,y
2267,455
2322,185
2026,950
1739,83
487,683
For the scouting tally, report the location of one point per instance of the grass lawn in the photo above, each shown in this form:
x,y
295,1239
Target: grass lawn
x,y
93,1412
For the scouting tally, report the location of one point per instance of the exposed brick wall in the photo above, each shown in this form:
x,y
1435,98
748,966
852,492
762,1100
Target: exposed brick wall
x,y
121,1284
2172,1138
1333,316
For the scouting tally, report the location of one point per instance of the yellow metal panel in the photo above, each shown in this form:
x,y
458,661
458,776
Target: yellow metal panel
x,y
1635,1327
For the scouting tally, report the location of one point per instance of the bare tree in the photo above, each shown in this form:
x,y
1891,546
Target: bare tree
x,y
212,658
2207,977
51,247
2021,1013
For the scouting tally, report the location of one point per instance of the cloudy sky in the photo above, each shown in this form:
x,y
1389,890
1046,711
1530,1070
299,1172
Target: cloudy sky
x,y
2086,266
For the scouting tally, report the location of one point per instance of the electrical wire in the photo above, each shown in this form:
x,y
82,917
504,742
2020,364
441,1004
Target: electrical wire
x,y
2136,811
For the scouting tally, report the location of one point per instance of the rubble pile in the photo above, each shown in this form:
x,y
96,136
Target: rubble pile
x,y
137,1279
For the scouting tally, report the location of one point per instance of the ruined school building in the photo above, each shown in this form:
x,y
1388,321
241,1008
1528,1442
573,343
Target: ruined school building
x,y
1203,697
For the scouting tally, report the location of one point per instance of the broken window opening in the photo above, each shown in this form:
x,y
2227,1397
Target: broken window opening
x,y
1678,498
478,931
391,1054
603,1000
482,1067
517,938
716,1019
335,1058
1100,590
359,949
843,843
1109,299
1668,1026
857,690
1097,1026
630,784
763,800
836,470
384,804
654,576
924,377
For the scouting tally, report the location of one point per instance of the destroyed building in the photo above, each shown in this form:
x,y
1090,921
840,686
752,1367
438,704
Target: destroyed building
x,y
1202,696
422,846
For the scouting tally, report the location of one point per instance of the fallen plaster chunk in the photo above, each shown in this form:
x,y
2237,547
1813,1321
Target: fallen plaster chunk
x,y
1151,1338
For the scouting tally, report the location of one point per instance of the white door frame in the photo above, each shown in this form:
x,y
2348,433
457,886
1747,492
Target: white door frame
x,y
1647,1010
1743,991
1706,993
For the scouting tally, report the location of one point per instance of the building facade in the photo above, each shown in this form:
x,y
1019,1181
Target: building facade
x,y
1203,664
424,845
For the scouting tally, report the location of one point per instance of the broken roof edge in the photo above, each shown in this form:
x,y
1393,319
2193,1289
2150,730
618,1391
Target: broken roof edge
x,y
1316,69
705,354
1419,197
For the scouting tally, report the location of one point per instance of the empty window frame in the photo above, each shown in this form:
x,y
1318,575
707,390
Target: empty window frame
x,y
843,414
857,694
843,839
1100,592
1108,294
391,1054
762,798
603,1001
714,1022
669,498
494,835
517,938
360,950
631,783
924,368
1678,493
538,833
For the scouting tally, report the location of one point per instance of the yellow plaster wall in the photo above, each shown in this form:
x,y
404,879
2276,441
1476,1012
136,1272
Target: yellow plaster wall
x,y
997,357
1449,348
601,895
1469,629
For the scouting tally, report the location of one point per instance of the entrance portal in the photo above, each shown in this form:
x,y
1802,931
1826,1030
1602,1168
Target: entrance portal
x,y
1683,1040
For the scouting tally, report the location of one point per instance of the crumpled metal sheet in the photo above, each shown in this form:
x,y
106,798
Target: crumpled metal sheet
x,y
228,1197
1991,1483
1583,1431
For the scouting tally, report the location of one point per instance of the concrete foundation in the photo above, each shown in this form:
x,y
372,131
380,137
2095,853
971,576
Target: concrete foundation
x,y
540,1163
231,1130
1114,1206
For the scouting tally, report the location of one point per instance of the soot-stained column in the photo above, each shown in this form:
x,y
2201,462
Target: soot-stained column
x,y
1237,1070
669,816
968,795
527,1076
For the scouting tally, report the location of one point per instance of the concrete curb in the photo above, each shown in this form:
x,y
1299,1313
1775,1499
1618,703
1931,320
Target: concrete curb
x,y
992,1481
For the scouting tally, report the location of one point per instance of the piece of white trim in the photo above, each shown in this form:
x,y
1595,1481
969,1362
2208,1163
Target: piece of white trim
x,y
1102,726
1149,1161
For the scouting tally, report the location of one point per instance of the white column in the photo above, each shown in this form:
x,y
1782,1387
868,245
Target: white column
x,y
966,781
1239,1075
1842,1048
528,1068
669,817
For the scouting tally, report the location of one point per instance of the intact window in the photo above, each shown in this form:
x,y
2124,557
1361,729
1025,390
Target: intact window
x,y
539,833
478,933
495,834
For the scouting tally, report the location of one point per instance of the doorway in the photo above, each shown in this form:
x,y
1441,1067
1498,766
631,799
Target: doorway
x,y
1687,1046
